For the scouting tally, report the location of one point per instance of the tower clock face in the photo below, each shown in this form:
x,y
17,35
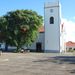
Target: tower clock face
x,y
51,10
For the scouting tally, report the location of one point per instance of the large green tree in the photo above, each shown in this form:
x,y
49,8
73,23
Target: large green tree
x,y
20,27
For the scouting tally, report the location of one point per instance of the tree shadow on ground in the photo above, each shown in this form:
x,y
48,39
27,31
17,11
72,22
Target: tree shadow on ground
x,y
72,71
64,59
59,59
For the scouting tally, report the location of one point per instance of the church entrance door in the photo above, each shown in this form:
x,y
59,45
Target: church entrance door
x,y
38,47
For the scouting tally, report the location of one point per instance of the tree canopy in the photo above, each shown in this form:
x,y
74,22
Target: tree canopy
x,y
20,27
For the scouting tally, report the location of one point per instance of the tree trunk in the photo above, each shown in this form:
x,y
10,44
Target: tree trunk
x,y
18,49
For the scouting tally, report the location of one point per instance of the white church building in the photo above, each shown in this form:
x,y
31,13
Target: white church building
x,y
51,35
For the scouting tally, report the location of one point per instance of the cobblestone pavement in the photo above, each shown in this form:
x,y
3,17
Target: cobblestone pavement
x,y
37,64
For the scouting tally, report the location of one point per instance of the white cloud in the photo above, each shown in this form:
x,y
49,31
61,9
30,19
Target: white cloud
x,y
69,29
74,17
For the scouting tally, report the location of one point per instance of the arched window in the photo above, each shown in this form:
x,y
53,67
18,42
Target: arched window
x,y
51,20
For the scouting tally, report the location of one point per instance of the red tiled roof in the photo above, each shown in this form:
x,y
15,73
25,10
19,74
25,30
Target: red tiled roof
x,y
70,43
41,29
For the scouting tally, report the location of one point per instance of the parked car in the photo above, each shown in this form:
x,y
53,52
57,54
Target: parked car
x,y
10,48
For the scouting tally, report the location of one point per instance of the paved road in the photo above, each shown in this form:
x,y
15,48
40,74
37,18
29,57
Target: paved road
x,y
37,64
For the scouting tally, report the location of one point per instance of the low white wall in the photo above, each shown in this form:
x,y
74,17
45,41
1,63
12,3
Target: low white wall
x,y
40,39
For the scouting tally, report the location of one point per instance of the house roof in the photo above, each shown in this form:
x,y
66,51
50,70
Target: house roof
x,y
41,29
70,43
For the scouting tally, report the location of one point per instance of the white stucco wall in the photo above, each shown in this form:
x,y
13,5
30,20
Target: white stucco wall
x,y
52,31
68,47
40,38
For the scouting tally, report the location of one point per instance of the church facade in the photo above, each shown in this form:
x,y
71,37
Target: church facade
x,y
51,38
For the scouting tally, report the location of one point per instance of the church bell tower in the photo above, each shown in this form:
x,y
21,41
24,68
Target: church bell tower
x,y
52,26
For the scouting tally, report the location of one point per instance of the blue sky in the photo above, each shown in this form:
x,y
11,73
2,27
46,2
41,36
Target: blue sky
x,y
68,11
37,5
